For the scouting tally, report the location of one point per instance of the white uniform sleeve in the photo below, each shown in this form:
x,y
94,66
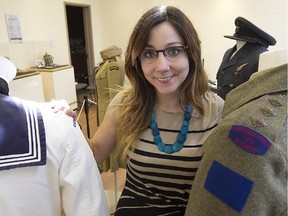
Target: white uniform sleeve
x,y
79,178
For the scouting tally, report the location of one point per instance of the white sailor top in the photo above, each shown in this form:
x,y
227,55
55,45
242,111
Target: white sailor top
x,y
45,161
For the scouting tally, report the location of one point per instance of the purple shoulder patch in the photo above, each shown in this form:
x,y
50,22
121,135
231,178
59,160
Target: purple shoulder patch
x,y
249,139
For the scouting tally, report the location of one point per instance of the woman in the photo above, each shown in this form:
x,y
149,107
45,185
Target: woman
x,y
158,124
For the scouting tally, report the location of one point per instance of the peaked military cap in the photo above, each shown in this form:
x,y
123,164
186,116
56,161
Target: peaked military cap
x,y
248,32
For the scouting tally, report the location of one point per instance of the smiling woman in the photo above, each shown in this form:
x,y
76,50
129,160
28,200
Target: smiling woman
x,y
157,124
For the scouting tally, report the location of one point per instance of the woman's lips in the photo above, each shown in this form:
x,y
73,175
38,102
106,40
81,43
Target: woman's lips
x,y
164,79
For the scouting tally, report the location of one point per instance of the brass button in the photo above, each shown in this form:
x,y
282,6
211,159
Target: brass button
x,y
231,85
219,88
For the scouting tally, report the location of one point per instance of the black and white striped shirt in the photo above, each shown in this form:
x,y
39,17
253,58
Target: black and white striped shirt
x,y
158,183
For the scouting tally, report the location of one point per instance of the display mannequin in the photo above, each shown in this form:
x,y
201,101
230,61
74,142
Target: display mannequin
x,y
239,45
241,61
109,77
243,171
45,162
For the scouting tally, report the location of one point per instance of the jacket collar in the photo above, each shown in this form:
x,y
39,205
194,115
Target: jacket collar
x,y
242,53
264,82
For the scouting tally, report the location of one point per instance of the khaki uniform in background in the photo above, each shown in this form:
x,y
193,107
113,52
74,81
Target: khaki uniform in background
x,y
109,77
244,166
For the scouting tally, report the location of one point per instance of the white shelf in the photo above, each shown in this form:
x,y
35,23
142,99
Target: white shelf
x,y
28,87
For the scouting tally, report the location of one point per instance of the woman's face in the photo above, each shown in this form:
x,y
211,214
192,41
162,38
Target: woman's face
x,y
165,75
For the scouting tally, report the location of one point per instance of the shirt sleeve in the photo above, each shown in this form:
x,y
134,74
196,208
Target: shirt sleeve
x,y
80,181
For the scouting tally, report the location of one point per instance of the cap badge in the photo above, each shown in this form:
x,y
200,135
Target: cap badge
x,y
237,28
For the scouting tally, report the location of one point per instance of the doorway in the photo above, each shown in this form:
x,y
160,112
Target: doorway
x,y
80,41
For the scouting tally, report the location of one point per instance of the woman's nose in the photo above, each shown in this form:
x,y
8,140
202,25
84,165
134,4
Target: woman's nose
x,y
162,64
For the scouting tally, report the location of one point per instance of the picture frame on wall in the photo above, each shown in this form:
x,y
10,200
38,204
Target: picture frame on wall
x,y
13,27
40,63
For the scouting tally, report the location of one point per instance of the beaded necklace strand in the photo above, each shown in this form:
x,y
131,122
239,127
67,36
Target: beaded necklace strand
x,y
181,137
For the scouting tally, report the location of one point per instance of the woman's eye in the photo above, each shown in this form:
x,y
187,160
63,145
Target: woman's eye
x,y
149,54
173,51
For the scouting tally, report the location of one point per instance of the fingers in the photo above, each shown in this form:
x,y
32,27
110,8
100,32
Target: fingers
x,y
71,113
58,105
62,105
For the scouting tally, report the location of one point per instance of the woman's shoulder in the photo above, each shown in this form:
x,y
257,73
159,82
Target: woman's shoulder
x,y
212,101
120,101
212,98
120,97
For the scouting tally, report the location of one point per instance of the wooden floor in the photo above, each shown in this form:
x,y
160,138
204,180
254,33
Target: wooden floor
x,y
108,178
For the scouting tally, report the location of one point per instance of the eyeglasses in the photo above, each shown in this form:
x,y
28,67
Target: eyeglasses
x,y
148,56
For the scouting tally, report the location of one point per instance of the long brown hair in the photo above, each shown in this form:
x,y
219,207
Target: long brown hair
x,y
138,100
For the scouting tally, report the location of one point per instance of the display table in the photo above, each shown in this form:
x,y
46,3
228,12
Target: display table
x,y
27,86
46,84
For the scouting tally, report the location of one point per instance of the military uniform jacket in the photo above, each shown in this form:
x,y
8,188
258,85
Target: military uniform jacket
x,y
244,166
110,75
238,69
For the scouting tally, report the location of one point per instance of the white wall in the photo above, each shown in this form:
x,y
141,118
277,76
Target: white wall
x,y
212,19
43,25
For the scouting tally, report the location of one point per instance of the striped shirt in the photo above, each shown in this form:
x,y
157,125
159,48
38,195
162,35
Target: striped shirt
x,y
158,183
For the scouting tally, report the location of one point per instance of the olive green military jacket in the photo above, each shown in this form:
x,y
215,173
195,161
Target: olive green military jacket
x,y
108,79
244,166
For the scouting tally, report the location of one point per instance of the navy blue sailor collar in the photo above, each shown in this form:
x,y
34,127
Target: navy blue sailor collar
x,y
22,134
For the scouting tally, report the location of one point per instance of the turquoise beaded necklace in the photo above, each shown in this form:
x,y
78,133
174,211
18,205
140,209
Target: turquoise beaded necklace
x,y
181,137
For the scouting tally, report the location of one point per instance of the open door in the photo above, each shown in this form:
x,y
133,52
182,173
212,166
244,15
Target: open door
x,y
80,41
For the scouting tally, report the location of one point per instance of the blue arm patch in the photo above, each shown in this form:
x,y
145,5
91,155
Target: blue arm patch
x,y
227,185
